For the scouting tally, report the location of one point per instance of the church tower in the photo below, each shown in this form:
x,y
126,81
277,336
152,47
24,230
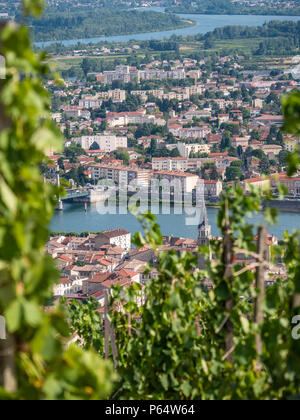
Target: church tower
x,y
204,233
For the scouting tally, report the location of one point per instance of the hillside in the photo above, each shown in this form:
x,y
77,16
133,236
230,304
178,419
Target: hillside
x,y
226,7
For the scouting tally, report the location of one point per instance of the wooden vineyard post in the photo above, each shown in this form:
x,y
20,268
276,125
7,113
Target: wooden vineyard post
x,y
262,250
228,275
109,333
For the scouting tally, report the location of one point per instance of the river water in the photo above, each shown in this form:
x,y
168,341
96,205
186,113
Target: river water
x,y
204,24
74,218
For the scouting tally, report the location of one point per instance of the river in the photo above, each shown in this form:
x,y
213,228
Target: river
x,y
203,24
74,218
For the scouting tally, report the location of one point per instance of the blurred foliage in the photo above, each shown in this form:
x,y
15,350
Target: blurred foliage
x,y
87,324
291,113
174,346
45,366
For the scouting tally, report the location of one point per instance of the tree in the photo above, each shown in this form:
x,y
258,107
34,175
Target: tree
x,y
86,66
258,153
73,151
255,135
264,164
95,146
214,175
273,131
226,141
34,363
272,98
60,163
279,138
174,153
153,147
208,44
67,131
233,173
282,157
246,114
240,151
123,155
233,152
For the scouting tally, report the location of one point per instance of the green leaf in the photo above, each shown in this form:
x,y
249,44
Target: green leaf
x,y
47,138
13,315
164,381
32,313
8,197
245,324
186,388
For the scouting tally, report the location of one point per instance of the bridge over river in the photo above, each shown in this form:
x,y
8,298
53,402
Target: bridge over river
x,y
73,195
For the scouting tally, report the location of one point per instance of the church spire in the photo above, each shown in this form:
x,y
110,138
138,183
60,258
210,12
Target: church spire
x,y
204,234
204,228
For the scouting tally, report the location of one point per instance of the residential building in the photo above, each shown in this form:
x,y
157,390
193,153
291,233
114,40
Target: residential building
x,y
119,238
190,133
241,141
170,164
255,182
90,102
63,288
120,175
186,149
212,189
187,181
107,142
291,183
121,119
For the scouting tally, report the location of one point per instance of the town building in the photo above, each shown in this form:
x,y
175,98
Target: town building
x,y
187,181
120,174
188,149
118,237
106,142
170,164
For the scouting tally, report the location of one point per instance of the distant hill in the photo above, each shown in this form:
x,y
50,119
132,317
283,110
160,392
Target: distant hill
x,y
258,7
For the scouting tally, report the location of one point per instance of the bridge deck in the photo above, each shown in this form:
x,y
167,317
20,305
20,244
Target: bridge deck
x,y
72,195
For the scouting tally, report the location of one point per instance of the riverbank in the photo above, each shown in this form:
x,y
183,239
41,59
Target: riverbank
x,y
58,26
186,24
290,206
203,24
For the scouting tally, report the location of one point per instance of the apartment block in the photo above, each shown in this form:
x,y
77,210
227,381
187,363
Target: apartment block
x,y
121,175
186,150
90,102
121,119
107,143
116,95
190,133
124,73
170,164
161,74
187,181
